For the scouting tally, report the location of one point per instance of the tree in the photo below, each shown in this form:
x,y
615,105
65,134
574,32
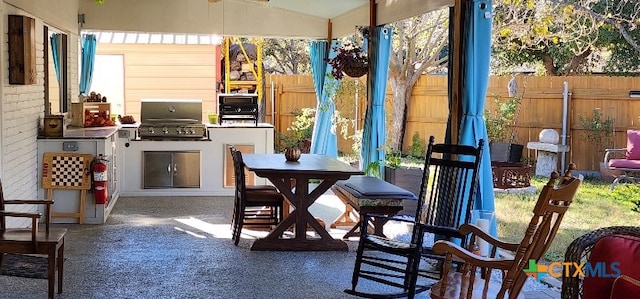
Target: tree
x,y
547,34
620,33
286,56
418,46
566,36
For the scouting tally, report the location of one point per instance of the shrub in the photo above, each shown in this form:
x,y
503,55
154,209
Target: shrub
x,y
418,148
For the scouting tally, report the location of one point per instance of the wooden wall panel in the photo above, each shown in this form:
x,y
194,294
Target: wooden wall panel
x,y
167,71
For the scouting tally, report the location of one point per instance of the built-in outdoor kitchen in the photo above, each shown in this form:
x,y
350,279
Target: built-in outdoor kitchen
x,y
169,151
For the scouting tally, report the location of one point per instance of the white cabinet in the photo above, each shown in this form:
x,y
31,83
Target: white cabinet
x,y
84,141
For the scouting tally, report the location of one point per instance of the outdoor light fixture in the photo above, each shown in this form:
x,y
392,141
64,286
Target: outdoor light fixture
x,y
81,19
634,93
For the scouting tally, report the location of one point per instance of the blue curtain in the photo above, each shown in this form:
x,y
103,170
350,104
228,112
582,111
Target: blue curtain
x,y
477,51
88,58
374,128
324,139
55,40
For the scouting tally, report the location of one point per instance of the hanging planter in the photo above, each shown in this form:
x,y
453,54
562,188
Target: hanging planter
x,y
356,68
350,61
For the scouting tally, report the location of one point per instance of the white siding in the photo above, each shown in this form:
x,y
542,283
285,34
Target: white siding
x,y
21,111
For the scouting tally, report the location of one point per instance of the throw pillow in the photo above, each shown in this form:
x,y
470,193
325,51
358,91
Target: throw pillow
x,y
621,249
625,287
633,144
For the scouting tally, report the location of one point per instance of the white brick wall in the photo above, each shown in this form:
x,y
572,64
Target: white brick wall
x,y
22,109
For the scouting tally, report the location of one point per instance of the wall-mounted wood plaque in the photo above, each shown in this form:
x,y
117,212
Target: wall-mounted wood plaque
x,y
22,50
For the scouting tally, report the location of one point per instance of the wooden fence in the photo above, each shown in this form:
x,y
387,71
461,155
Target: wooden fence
x,y
542,107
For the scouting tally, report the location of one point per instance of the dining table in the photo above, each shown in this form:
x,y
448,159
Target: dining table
x,y
293,180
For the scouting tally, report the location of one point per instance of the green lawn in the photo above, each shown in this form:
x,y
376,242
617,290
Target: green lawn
x,y
594,206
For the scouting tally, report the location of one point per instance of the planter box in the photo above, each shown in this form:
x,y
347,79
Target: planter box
x,y
507,175
505,152
409,179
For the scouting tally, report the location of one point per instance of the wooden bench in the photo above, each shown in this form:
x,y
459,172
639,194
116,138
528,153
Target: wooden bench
x,y
364,194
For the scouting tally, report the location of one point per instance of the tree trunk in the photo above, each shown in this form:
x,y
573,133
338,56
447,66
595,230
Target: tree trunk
x,y
399,88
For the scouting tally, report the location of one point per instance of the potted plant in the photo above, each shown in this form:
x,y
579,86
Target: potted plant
x,y
395,172
598,130
501,131
351,60
301,129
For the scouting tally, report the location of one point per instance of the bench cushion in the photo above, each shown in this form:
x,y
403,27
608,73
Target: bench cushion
x,y
633,145
374,188
624,163
355,202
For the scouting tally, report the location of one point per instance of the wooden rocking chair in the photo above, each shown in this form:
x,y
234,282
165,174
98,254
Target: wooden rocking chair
x,y
548,212
448,187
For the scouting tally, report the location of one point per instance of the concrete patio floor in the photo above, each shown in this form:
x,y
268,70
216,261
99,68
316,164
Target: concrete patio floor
x,y
180,247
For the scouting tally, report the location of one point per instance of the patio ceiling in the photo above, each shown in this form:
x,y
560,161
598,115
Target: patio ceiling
x,y
274,18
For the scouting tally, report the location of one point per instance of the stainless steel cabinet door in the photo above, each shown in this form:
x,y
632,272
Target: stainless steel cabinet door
x,y
186,169
157,170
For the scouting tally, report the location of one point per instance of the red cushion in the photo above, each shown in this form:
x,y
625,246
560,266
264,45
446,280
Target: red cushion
x,y
625,287
633,144
625,250
624,163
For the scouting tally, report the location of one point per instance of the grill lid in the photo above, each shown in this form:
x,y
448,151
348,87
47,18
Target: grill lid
x,y
167,111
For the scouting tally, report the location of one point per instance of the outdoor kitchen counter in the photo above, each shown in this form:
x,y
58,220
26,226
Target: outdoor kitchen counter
x,y
94,141
215,171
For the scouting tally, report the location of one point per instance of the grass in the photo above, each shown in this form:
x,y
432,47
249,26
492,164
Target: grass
x,y
594,206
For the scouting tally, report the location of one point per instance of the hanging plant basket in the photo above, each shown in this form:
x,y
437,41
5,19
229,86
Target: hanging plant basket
x,y
355,68
350,61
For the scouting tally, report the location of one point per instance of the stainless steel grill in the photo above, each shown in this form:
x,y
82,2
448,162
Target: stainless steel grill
x,y
238,107
163,119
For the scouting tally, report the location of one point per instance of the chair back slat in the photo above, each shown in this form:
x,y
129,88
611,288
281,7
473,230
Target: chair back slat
x,y
239,175
448,186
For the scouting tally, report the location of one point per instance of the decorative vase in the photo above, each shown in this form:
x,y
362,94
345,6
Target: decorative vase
x,y
292,154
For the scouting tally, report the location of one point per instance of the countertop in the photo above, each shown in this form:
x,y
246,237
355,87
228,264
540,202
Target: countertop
x,y
106,132
210,126
240,125
86,133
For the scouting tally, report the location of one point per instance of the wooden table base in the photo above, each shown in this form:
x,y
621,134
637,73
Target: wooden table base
x,y
299,245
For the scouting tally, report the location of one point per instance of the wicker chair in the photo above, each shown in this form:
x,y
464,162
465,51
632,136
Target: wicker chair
x,y
579,251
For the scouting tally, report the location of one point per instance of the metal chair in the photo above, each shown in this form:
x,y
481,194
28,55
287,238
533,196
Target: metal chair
x,y
33,240
448,187
548,212
259,205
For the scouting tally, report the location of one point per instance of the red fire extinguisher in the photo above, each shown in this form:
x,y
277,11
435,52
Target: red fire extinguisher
x,y
99,169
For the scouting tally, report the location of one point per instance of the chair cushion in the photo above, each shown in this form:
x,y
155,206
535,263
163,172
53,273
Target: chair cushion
x,y
622,249
259,196
625,287
261,187
633,144
374,188
624,163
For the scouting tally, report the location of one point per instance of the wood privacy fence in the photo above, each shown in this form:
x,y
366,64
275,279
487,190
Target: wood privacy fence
x,y
541,108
